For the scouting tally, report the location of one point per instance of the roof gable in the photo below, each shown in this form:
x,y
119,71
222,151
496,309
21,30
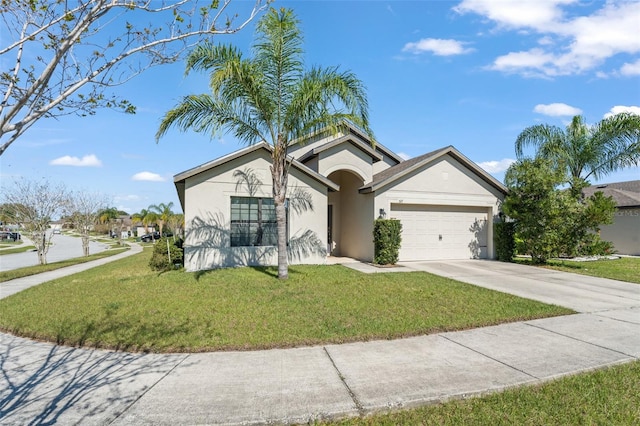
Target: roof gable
x,y
180,178
393,174
353,134
348,139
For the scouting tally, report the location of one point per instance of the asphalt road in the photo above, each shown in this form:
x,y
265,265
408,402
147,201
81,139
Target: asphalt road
x,y
63,247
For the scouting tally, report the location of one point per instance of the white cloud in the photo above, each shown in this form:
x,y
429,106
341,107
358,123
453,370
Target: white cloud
x,y
631,68
620,108
497,166
437,46
404,156
148,177
86,161
534,14
580,44
557,110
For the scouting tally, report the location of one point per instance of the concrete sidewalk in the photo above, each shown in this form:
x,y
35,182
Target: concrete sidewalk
x,y
42,383
7,288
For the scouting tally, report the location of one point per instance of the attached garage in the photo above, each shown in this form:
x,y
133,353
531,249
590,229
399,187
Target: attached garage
x,y
436,232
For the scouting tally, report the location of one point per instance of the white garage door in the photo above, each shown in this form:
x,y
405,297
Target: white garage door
x,y
441,232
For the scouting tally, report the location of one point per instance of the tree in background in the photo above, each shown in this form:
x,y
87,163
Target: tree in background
x,y
141,217
176,223
59,56
34,205
83,209
163,214
552,221
270,98
581,151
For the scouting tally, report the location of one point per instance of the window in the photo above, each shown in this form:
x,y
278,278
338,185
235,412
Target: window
x,y
253,222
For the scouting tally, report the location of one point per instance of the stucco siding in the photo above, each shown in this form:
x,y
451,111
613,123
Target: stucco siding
x,y
345,157
624,232
207,216
352,227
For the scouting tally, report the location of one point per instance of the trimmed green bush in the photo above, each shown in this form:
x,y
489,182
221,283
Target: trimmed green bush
x,y
167,255
505,241
386,240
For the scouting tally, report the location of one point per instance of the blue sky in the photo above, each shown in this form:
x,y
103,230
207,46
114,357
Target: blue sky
x,y
472,74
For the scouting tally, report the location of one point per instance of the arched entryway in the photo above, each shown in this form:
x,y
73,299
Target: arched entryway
x,y
349,219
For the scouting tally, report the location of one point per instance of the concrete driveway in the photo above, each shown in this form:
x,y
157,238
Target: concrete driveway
x,y
578,292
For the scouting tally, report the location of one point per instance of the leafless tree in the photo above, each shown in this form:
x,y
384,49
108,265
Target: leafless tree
x,y
59,56
83,209
34,205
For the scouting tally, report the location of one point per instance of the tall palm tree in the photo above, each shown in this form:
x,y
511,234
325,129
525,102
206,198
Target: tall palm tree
x,y
269,97
583,151
163,213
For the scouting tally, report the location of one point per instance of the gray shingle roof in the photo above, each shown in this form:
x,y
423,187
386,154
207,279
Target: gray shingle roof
x,y
625,194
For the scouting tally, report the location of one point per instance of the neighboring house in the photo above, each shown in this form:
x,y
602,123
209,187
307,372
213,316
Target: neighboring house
x,y
624,233
338,185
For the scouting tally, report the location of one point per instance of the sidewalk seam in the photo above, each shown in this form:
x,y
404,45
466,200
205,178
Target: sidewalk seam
x,y
583,341
490,357
353,396
128,407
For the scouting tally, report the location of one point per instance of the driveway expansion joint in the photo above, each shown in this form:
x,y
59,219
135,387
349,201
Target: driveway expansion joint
x,y
354,398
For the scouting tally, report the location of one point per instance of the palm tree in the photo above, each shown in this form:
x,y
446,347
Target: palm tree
x,y
583,151
108,216
141,217
163,213
271,98
176,223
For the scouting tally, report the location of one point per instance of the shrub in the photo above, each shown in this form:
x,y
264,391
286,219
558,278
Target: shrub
x,y
167,255
504,237
594,246
386,241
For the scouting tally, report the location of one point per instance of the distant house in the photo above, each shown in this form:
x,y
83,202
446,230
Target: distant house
x,y
338,186
624,233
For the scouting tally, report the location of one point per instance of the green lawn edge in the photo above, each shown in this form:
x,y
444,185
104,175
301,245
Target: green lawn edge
x,y
622,269
124,305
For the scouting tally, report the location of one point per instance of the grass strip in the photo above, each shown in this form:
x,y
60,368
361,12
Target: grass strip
x,y
124,305
604,397
38,269
622,269
20,249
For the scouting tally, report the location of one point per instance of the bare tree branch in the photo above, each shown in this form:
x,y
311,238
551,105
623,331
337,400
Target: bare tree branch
x,y
66,54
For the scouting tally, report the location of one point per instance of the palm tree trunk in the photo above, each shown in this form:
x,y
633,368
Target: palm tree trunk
x,y
279,177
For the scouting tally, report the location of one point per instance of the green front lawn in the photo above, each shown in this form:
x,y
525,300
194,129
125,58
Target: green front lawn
x,y
623,269
125,305
604,397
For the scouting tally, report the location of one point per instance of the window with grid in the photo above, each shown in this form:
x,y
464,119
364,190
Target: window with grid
x,y
253,222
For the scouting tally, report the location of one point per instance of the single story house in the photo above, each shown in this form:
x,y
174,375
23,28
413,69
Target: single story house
x,y
624,232
338,185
